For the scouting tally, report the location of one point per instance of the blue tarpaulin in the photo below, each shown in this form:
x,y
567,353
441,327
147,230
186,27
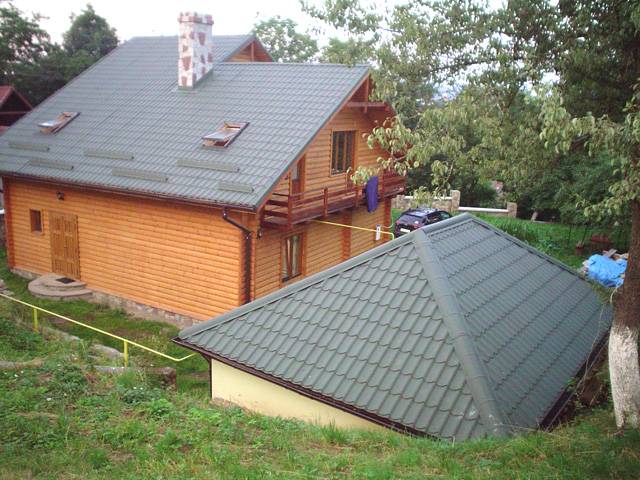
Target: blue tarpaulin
x,y
371,192
606,271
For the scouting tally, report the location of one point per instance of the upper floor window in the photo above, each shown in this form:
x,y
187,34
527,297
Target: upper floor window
x,y
35,216
342,151
291,257
224,135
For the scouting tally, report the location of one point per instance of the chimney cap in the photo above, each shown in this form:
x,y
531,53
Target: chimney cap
x,y
193,17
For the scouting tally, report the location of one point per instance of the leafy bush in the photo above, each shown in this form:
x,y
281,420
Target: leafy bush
x,y
158,407
137,395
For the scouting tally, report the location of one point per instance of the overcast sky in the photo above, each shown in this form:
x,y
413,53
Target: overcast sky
x,y
140,18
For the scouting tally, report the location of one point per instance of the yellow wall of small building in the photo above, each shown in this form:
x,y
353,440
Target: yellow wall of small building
x,y
256,394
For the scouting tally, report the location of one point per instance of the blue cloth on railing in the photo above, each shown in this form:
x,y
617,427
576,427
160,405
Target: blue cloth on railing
x,y
371,193
606,271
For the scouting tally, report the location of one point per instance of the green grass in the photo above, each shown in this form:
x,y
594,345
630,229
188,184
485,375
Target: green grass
x,y
554,239
156,335
61,422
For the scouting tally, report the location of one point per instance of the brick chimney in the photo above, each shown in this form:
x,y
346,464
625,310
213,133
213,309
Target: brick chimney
x,y
195,47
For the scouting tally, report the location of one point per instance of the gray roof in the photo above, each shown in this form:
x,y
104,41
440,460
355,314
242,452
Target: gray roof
x,y
457,330
134,119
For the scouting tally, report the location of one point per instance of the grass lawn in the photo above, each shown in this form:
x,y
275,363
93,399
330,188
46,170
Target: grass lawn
x,y
156,335
61,422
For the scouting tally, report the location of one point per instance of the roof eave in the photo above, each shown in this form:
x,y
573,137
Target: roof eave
x,y
365,415
263,200
125,192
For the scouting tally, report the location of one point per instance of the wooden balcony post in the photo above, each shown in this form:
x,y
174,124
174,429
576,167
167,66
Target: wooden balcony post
x,y
289,210
326,202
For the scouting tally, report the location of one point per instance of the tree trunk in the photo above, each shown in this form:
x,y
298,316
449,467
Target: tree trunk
x,y
623,339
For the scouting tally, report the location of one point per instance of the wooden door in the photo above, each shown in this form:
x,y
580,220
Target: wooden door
x,y
296,183
65,256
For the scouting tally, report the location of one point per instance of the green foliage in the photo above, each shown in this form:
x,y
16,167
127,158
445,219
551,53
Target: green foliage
x,y
98,458
67,381
349,52
158,407
283,42
89,35
31,62
334,435
136,395
619,141
104,430
19,338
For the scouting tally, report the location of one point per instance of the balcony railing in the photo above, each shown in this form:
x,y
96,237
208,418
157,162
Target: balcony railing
x,y
285,210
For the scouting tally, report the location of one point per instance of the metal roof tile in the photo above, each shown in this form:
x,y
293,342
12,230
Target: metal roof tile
x,y
408,362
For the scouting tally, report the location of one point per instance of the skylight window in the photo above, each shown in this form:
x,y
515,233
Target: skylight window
x,y
58,123
225,135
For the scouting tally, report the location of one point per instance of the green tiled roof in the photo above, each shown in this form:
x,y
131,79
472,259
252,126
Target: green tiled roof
x,y
130,108
456,330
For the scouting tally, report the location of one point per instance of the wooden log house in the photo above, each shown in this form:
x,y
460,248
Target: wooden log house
x,y
183,196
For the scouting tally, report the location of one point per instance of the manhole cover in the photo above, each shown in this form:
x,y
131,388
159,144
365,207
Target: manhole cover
x,y
65,280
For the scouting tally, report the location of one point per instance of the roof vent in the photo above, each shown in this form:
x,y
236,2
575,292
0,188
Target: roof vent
x,y
139,174
109,154
58,123
43,163
211,165
224,136
39,147
235,187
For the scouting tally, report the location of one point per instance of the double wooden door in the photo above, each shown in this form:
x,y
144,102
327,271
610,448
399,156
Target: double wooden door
x,y
65,252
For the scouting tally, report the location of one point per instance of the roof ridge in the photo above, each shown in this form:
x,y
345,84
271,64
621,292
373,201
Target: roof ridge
x,y
476,374
295,287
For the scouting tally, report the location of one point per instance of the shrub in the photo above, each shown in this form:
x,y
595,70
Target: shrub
x,y
158,407
137,395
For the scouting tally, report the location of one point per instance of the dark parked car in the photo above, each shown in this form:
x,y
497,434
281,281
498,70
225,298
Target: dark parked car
x,y
418,218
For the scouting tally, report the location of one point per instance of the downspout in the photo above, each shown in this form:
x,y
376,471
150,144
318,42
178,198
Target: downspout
x,y
248,234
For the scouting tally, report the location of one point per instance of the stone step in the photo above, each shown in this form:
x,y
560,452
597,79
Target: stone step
x,y
52,281
48,287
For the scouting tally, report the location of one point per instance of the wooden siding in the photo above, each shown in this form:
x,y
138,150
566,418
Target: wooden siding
x,y
318,154
324,246
251,53
363,241
183,259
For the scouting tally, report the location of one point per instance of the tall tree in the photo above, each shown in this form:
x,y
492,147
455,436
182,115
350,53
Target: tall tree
x,y
591,47
23,46
39,67
89,38
349,52
283,42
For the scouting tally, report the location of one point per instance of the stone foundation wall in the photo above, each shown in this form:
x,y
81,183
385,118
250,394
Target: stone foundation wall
x,y
142,311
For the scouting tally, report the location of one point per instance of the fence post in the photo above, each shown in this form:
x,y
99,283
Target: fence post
x,y
125,352
35,320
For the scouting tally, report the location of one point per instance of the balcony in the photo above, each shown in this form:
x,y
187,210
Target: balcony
x,y
282,211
